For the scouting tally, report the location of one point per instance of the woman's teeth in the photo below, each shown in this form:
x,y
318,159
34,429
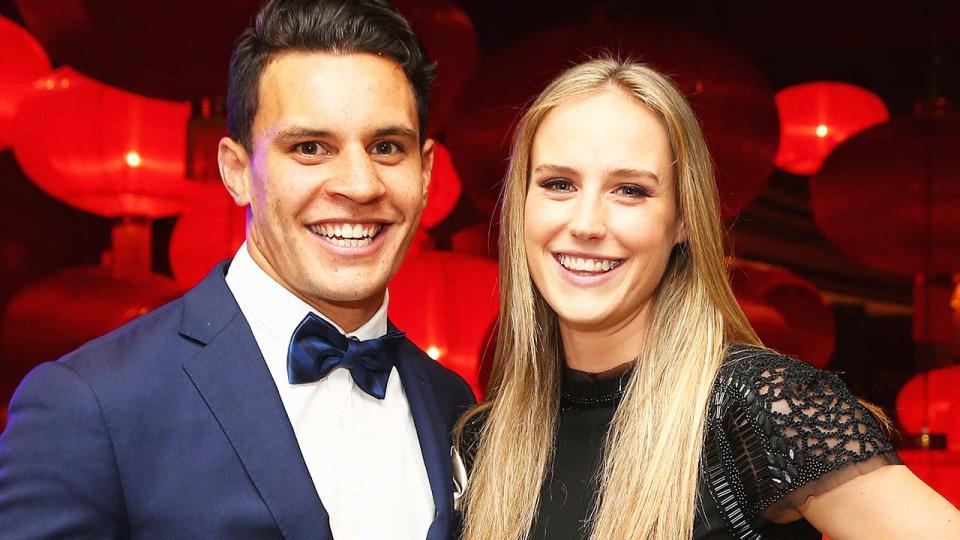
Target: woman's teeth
x,y
579,264
347,234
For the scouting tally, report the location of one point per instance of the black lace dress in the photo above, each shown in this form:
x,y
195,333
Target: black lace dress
x,y
778,431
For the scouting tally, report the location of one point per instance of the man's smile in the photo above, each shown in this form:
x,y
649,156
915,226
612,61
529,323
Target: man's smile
x,y
348,235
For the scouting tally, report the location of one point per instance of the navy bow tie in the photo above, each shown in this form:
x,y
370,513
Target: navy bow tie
x,y
317,347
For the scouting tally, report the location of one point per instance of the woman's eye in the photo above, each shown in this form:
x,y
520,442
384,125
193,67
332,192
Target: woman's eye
x,y
558,184
632,190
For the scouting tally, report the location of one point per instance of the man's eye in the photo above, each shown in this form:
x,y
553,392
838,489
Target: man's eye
x,y
633,190
557,184
309,148
386,148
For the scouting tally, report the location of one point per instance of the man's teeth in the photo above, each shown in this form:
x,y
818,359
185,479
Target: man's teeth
x,y
579,264
347,234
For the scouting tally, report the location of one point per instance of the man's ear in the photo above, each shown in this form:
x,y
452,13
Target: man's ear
x,y
426,164
234,166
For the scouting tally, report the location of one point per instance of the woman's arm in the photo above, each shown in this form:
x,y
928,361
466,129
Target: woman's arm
x,y
887,503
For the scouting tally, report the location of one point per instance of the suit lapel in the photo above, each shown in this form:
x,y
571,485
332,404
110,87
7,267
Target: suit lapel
x,y
233,379
433,437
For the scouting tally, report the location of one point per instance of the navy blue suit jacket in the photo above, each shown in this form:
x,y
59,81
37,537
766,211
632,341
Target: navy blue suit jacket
x,y
171,427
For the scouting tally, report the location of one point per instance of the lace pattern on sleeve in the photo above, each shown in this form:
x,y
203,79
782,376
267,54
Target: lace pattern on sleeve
x,y
780,431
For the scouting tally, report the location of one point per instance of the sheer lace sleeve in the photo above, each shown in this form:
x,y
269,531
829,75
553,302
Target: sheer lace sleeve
x,y
781,431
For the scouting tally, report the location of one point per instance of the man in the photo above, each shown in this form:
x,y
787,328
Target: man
x,y
241,410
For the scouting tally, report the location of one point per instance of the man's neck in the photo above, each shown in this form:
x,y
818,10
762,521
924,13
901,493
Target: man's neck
x,y
347,315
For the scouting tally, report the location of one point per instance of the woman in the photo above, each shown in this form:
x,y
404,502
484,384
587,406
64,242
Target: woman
x,y
630,397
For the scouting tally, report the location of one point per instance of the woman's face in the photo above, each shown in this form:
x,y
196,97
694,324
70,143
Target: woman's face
x,y
600,218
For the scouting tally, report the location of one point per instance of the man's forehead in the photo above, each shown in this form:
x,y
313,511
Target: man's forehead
x,y
303,88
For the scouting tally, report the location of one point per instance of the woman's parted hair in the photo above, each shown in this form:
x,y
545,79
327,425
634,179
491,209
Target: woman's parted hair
x,y
333,26
648,484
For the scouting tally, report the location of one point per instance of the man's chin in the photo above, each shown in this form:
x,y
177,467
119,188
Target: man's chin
x,y
348,292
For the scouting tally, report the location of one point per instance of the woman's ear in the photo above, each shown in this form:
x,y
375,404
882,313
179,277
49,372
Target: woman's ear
x,y
234,166
681,236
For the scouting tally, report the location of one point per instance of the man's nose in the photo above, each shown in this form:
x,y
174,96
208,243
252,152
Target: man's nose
x,y
359,179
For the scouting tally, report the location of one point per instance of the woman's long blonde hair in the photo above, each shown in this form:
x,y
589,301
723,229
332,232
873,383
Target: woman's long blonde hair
x,y
648,483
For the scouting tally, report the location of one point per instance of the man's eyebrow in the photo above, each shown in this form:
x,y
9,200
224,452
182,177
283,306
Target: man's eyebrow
x,y
296,132
302,133
396,131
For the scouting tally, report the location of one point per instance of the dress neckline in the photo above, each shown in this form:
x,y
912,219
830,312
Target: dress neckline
x,y
586,390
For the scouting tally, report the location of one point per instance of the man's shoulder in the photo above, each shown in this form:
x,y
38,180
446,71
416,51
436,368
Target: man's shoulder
x,y
167,332
145,336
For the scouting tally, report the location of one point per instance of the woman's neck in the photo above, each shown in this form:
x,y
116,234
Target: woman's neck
x,y
595,349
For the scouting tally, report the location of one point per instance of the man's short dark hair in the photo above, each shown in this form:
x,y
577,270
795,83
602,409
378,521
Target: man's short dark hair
x,y
332,26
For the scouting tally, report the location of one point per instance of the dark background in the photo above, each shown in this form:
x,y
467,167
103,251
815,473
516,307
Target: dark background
x,y
904,52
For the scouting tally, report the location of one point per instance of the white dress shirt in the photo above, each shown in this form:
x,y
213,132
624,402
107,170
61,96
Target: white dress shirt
x,y
362,453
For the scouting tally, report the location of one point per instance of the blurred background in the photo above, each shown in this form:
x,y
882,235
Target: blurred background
x,y
833,126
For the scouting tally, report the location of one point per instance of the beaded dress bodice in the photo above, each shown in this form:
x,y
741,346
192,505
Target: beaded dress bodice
x,y
778,432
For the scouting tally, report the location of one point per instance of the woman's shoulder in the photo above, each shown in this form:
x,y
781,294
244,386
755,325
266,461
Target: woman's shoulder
x,y
743,362
787,425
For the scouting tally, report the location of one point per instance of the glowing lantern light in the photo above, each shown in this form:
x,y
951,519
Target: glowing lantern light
x,y
76,138
936,407
444,188
787,311
133,159
447,304
731,98
815,117
24,61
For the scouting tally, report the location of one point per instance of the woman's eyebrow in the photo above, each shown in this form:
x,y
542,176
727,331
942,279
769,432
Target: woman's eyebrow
x,y
633,173
561,170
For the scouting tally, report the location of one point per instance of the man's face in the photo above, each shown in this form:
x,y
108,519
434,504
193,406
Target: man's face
x,y
336,179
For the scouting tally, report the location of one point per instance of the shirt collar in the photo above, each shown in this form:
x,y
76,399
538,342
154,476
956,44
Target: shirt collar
x,y
279,310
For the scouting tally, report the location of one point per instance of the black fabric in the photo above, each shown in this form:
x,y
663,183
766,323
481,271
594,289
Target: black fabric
x,y
779,431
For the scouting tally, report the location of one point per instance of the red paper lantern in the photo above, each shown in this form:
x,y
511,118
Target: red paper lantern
x,y
929,400
104,150
815,117
876,192
444,188
450,40
57,314
787,311
23,61
175,49
733,101
205,235
447,304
